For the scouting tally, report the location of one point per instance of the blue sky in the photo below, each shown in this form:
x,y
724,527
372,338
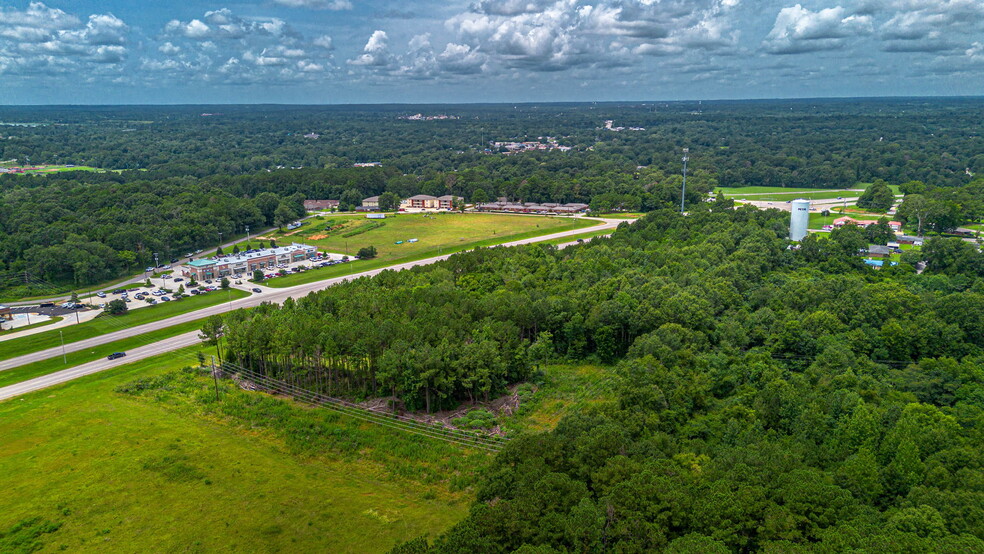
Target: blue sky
x,y
355,51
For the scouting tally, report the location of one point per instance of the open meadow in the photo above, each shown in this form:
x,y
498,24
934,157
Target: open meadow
x,y
91,466
145,454
435,234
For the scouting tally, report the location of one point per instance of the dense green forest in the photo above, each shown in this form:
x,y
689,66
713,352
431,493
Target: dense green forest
x,y
206,170
768,399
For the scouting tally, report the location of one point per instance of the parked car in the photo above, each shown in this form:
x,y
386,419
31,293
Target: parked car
x,y
165,299
46,305
101,294
194,291
208,281
116,355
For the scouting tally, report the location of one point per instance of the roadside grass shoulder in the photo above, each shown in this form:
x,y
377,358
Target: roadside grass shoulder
x,y
72,359
783,197
107,324
583,236
143,455
737,191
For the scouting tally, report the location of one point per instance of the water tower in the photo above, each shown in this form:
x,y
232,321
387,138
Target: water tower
x,y
799,219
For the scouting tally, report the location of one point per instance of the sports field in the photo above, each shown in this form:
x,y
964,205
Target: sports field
x,y
432,235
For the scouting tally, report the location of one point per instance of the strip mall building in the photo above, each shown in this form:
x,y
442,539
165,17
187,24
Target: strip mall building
x,y
247,262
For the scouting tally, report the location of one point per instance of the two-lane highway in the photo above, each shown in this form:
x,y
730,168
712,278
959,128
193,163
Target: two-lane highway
x,y
189,339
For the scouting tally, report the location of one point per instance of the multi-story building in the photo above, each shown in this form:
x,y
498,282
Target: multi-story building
x,y
247,262
369,204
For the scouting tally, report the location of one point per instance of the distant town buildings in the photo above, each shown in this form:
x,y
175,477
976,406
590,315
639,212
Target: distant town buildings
x,y
422,117
312,136
367,164
549,143
247,262
610,125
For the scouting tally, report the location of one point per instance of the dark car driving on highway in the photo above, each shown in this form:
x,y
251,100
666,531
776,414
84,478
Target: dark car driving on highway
x,y
115,355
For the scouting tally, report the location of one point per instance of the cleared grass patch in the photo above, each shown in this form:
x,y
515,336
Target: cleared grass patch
x,y
107,324
165,465
564,389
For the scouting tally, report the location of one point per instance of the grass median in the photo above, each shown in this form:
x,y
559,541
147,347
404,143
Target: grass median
x,y
79,357
108,324
55,319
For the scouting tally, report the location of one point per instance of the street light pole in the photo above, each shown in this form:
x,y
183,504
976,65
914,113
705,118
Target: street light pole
x,y
683,194
62,335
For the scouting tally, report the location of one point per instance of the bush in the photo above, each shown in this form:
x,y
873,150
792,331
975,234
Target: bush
x,y
476,419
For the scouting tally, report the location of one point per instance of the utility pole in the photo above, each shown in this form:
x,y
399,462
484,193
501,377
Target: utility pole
x,y
215,378
683,194
62,335
157,264
247,237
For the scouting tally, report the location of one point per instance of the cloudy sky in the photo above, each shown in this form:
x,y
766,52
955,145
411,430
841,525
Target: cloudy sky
x,y
354,51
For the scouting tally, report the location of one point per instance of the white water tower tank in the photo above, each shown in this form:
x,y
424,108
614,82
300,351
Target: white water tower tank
x,y
799,219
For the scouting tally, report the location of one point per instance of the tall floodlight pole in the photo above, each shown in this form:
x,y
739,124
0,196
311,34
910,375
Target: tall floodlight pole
x,y
247,236
683,193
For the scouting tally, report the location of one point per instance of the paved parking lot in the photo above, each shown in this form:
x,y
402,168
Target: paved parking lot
x,y
57,310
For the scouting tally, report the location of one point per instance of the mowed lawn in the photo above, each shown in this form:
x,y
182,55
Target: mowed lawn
x,y
738,191
432,231
436,234
84,468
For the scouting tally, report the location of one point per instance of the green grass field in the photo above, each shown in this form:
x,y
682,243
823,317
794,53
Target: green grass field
x,y
438,234
163,467
739,191
106,324
783,197
72,359
42,169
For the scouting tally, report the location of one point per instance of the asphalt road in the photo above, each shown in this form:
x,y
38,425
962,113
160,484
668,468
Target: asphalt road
x,y
188,339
